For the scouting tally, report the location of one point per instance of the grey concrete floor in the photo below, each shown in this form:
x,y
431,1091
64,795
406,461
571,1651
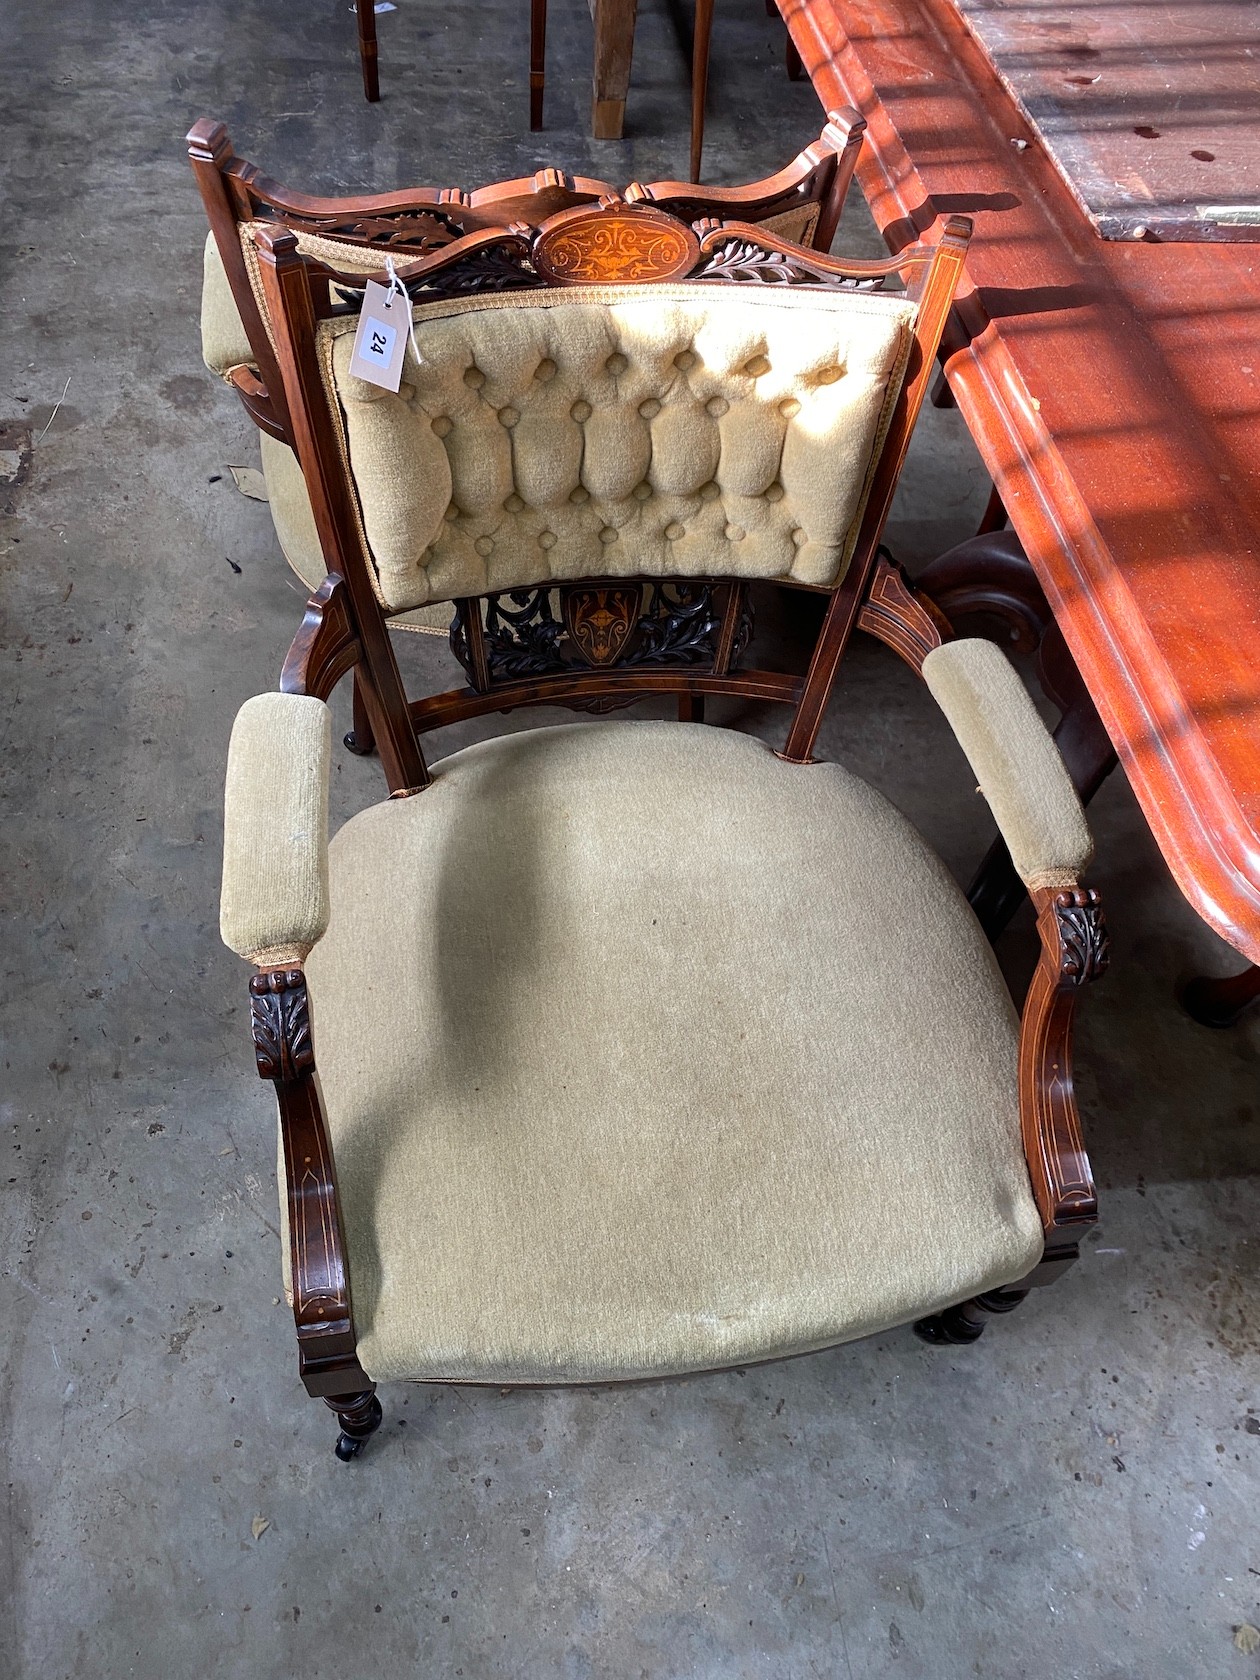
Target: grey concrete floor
x,y
1074,1496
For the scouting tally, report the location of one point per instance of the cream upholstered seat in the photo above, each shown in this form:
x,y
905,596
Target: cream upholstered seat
x,y
645,981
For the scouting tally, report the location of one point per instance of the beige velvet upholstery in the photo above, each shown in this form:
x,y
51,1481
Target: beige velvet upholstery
x,y
661,430
274,902
644,1051
1020,770
224,342
295,529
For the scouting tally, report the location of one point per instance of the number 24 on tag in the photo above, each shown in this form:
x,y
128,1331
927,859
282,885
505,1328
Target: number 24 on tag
x,y
381,341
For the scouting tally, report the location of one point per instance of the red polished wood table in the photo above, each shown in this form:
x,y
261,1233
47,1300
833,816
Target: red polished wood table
x,y
1113,390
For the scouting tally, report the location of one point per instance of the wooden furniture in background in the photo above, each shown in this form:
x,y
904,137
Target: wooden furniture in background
x,y
614,50
365,11
1110,388
615,640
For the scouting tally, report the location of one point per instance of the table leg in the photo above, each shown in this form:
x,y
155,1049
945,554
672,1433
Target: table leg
x,y
614,48
1219,1001
366,11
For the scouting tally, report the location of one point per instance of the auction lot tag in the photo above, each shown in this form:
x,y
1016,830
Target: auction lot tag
x,y
381,341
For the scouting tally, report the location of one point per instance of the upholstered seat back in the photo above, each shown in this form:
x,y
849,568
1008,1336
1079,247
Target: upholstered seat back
x,y
666,431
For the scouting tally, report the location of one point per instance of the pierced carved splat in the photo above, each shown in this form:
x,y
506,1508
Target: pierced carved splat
x,y
753,260
281,1019
600,626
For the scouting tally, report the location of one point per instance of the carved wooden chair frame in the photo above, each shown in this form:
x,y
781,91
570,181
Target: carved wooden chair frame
x,y
600,630
421,220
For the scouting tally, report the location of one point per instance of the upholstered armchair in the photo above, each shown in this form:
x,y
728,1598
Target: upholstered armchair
x,y
620,1049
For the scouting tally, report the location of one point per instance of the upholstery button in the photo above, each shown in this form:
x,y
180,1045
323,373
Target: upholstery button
x,y
788,407
616,364
829,375
650,409
484,546
642,492
546,539
407,392
717,407
508,417
674,530
685,359
442,425
735,533
607,535
710,492
757,366
581,411
514,504
545,370
451,513
799,537
580,495
774,493
474,378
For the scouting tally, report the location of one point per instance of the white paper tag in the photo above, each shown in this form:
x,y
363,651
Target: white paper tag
x,y
381,341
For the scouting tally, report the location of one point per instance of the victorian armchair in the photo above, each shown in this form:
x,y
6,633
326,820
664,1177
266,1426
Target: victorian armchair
x,y
620,1049
803,202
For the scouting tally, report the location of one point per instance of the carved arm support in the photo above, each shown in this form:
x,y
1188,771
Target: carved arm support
x,y
274,908
1022,775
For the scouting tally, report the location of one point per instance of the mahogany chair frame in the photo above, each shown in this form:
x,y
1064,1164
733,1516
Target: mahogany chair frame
x,y
345,629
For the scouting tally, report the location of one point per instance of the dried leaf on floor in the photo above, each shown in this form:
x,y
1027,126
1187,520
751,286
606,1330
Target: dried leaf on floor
x,y
1247,1639
260,1525
250,482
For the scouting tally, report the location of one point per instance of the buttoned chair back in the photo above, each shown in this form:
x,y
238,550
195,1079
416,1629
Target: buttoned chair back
x,y
619,398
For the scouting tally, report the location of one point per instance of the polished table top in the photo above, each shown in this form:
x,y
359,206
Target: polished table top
x,y
1113,389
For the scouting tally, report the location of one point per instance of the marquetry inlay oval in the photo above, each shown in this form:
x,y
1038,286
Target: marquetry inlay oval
x,y
614,247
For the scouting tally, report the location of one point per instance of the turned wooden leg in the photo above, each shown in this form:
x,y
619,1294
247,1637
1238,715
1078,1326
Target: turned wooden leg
x,y
957,1326
1219,1001
537,60
366,10
360,740
359,1416
701,35
614,49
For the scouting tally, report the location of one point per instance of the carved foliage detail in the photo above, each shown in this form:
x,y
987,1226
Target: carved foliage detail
x,y
742,259
1084,943
281,1019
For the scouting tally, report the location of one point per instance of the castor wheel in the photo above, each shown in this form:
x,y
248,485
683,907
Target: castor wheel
x,y
359,1416
352,743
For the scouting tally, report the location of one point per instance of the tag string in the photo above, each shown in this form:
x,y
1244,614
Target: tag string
x,y
396,288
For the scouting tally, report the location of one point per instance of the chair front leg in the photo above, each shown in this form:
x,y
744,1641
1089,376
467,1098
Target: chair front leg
x,y
328,1361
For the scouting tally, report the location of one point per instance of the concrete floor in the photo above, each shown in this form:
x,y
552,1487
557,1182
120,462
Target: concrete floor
x,y
1074,1496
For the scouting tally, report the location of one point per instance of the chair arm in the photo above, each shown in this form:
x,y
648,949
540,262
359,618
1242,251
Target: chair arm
x,y
274,901
1020,770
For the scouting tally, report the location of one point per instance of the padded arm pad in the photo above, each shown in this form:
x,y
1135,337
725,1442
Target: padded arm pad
x,y
1020,770
274,904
